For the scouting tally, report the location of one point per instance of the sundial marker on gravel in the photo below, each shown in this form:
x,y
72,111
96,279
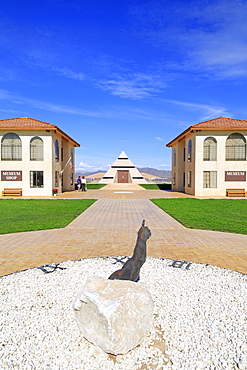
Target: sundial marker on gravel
x,y
179,264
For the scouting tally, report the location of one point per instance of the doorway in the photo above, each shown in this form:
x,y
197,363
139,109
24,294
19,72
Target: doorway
x,y
123,176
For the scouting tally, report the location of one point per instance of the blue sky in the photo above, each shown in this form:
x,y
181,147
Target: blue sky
x,y
123,75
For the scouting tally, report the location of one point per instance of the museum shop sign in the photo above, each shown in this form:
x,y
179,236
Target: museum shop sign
x,y
11,175
235,175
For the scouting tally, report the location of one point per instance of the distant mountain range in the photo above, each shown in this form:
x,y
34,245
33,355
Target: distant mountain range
x,y
150,171
85,173
154,172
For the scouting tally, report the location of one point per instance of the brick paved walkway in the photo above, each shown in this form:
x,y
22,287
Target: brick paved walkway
x,y
109,227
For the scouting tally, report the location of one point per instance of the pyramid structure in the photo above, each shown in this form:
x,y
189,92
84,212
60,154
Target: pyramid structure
x,y
123,171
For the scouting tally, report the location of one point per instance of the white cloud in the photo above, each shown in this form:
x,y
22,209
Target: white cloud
x,y
10,111
5,95
66,72
82,166
85,165
50,58
118,112
18,99
208,111
204,37
223,42
158,138
163,165
84,148
156,166
136,86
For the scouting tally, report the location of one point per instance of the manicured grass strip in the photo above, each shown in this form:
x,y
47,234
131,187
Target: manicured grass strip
x,y
157,186
150,186
17,215
229,215
95,186
92,186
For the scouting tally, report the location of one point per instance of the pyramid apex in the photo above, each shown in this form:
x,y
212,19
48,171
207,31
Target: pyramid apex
x,y
123,155
123,171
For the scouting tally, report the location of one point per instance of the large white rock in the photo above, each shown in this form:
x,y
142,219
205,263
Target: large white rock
x,y
115,315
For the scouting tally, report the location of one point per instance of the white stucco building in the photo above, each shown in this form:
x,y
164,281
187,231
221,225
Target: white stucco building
x,y
35,156
123,171
210,157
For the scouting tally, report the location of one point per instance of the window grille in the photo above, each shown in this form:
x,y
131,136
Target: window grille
x,y
36,149
11,147
210,149
236,148
210,179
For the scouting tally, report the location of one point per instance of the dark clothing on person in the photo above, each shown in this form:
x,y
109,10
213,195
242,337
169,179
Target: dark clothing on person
x,y
78,183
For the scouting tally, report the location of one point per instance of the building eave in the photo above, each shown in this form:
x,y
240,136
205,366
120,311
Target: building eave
x,y
179,137
52,128
195,129
68,137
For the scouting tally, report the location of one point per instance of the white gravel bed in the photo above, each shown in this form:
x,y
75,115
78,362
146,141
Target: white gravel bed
x,y
199,319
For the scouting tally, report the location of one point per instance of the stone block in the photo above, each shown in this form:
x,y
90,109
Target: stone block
x,y
115,315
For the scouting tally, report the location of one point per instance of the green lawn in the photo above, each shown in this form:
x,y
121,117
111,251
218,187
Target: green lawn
x,y
95,186
157,186
92,186
229,215
17,215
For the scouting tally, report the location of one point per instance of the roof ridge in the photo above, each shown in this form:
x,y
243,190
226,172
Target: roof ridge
x,y
219,123
26,123
209,120
218,118
32,119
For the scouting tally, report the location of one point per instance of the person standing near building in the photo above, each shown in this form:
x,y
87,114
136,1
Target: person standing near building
x,y
83,184
78,183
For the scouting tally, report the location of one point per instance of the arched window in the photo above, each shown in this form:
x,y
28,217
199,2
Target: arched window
x,y
36,149
174,157
236,148
11,147
71,158
190,151
210,149
56,151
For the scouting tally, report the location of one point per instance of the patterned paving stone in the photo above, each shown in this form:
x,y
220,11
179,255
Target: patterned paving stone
x,y
109,227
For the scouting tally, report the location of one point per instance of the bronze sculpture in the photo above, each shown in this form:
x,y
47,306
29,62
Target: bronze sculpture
x,y
131,268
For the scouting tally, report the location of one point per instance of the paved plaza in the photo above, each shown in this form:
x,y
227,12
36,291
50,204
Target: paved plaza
x,y
109,228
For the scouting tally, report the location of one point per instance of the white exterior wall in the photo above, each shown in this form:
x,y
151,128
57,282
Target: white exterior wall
x,y
68,183
48,165
197,166
221,165
183,166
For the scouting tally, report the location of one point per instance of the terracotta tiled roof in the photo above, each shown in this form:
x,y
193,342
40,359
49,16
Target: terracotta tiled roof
x,y
222,123
25,122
